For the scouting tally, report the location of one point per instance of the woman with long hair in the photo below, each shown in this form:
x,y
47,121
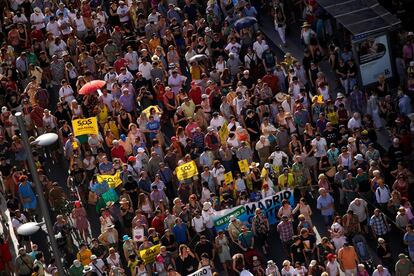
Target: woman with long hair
x,y
145,204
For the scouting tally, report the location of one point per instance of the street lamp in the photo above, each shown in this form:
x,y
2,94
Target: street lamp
x,y
43,140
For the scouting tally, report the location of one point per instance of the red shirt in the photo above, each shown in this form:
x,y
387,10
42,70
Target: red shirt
x,y
119,63
158,224
118,152
37,116
195,94
272,81
37,34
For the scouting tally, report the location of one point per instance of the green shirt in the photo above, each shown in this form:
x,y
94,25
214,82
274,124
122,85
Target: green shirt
x,y
76,271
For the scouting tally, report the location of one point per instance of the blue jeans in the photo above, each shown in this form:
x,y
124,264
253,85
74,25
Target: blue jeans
x,y
328,219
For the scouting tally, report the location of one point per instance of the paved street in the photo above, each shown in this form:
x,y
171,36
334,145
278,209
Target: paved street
x,y
58,171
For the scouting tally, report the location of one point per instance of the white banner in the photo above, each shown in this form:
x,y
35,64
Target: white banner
x,y
374,59
204,271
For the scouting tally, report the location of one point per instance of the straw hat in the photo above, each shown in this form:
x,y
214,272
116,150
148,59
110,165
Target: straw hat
x,y
306,24
280,97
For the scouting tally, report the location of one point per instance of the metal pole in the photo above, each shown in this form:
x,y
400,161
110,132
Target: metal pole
x,y
39,190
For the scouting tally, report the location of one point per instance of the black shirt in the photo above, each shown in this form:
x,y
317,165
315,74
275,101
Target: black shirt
x,y
297,252
331,136
186,266
206,247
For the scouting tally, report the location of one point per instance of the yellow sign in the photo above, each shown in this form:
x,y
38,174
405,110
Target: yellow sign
x,y
112,180
147,110
228,178
148,255
186,170
85,126
224,133
244,166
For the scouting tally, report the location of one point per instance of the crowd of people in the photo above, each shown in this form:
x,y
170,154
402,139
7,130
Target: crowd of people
x,y
196,86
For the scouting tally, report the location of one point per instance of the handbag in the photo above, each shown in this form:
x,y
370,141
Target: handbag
x,y
92,198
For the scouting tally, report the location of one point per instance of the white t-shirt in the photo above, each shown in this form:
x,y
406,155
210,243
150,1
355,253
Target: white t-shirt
x,y
132,59
98,267
277,157
145,69
53,28
259,48
320,147
89,164
38,20
123,11
65,25
125,77
219,173
154,17
233,48
217,122
108,99
198,224
332,268
67,93
239,104
359,210
110,78
80,24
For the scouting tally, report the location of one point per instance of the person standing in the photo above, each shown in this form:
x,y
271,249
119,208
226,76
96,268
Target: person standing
x,y
24,263
285,229
325,204
348,259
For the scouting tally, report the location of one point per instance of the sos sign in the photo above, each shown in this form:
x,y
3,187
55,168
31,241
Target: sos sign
x,y
186,170
85,126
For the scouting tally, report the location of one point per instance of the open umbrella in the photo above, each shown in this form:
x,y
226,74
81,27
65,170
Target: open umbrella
x,y
199,57
245,22
91,87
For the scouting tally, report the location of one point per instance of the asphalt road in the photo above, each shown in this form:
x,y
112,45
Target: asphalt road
x,y
58,172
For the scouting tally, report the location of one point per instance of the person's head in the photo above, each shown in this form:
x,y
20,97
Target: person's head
x,y
403,258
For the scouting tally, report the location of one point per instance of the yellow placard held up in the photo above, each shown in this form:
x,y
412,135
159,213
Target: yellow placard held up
x,y
224,133
148,255
186,170
147,110
85,126
228,178
244,166
112,180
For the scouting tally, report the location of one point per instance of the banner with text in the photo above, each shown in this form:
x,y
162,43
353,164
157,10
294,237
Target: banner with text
x,y
204,271
85,126
245,213
186,170
112,180
148,255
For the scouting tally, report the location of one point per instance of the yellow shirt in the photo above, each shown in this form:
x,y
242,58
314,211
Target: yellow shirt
x,y
111,125
103,114
195,72
290,181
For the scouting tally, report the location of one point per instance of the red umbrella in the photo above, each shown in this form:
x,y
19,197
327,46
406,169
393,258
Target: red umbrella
x,y
91,87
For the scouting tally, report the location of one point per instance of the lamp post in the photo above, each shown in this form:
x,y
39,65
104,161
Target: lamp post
x,y
42,140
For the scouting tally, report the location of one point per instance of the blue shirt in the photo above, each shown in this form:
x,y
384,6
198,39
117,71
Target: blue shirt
x,y
105,167
409,239
29,197
154,125
180,233
323,202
